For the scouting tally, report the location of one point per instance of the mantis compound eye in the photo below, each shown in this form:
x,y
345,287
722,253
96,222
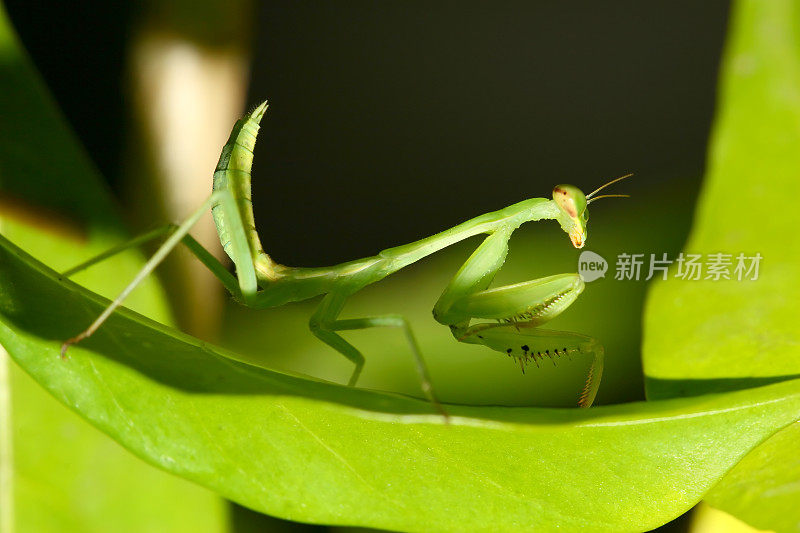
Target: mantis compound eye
x,y
570,199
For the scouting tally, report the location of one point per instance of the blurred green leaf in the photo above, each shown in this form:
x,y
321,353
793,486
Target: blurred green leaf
x,y
703,336
313,451
60,473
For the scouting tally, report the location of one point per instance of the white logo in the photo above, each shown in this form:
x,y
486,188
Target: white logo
x,y
591,266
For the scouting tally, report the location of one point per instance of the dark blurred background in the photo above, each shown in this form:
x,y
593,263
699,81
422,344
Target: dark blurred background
x,y
390,121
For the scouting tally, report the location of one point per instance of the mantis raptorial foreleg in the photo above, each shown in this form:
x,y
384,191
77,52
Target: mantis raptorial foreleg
x,y
261,282
519,309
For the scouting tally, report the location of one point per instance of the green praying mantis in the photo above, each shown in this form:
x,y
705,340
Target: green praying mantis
x,y
508,317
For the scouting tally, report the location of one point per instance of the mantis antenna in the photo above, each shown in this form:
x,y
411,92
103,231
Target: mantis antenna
x,y
591,198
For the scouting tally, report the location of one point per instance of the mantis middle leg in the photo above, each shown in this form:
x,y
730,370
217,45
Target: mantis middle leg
x,y
324,324
518,309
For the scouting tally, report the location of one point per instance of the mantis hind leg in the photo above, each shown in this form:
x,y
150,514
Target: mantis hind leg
x,y
324,324
197,249
238,243
111,252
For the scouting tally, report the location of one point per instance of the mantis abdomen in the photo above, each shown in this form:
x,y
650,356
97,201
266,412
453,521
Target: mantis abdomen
x,y
233,174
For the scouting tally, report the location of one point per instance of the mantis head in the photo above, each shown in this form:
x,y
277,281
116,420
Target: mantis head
x,y
573,213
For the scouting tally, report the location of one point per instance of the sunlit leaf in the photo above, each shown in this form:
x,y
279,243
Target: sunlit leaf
x,y
313,451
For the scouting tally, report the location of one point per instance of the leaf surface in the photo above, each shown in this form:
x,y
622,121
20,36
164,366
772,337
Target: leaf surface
x,y
313,451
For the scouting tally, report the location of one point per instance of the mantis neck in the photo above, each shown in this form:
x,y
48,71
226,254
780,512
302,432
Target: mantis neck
x,y
371,269
506,219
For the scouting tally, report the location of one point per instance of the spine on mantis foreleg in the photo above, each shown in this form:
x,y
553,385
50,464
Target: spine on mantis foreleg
x,y
233,174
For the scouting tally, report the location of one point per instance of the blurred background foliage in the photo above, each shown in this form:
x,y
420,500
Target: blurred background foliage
x,y
389,122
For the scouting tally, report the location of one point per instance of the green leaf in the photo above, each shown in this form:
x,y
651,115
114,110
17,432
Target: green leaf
x,y
70,477
58,473
313,451
703,336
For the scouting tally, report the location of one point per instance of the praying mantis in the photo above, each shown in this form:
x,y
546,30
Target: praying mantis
x,y
260,282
